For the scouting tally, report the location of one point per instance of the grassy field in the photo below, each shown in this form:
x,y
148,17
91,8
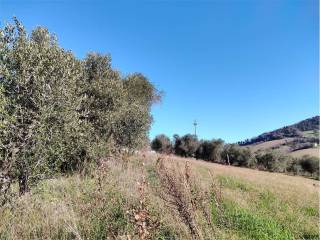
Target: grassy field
x,y
309,151
165,197
270,144
280,145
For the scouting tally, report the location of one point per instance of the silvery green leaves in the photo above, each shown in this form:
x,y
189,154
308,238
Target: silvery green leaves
x,y
58,112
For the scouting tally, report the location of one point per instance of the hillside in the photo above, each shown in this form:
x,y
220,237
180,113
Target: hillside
x,y
163,197
309,151
295,130
297,139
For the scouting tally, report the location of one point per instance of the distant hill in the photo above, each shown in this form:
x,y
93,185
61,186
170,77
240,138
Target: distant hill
x,y
296,130
309,124
296,139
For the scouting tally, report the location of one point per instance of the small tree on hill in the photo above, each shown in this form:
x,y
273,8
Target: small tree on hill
x,y
186,146
273,161
310,164
162,144
210,150
235,155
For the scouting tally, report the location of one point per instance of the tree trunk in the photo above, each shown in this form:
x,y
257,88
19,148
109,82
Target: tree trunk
x,y
23,182
228,159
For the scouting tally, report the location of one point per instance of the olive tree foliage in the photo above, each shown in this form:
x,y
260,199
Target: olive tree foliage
x,y
140,90
233,154
273,161
102,93
38,79
186,146
210,150
162,144
6,121
141,94
58,112
117,109
306,165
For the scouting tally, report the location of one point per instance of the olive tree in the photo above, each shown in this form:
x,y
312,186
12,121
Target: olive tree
x,y
210,150
38,81
162,144
58,112
117,109
186,146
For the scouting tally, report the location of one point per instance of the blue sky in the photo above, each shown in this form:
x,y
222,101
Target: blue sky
x,y
238,67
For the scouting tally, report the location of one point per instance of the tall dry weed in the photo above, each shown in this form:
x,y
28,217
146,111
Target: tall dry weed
x,y
140,215
183,194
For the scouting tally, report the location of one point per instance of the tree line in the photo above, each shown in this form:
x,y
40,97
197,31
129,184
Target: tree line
x,y
59,113
232,154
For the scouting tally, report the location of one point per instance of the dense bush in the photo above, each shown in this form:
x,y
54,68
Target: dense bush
x,y
58,112
273,161
186,146
306,165
310,164
210,150
162,144
235,155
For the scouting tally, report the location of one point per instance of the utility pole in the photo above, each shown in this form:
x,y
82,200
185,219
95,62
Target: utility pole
x,y
195,127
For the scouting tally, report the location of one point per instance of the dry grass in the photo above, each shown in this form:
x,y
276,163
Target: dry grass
x,y
310,151
280,145
291,200
288,187
269,144
191,201
172,198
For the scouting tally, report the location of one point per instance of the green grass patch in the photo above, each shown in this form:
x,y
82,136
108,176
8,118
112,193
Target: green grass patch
x,y
152,177
253,226
266,200
310,211
109,218
233,183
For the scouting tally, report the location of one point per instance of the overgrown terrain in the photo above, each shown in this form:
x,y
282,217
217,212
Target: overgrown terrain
x,y
160,197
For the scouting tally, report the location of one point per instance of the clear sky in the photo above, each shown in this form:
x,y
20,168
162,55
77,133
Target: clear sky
x,y
238,67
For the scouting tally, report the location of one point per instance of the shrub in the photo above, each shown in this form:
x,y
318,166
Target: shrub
x,y
210,150
310,164
162,144
186,146
306,165
236,155
187,199
273,161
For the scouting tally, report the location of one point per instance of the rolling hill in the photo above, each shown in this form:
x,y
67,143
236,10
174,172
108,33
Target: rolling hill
x,y
298,139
